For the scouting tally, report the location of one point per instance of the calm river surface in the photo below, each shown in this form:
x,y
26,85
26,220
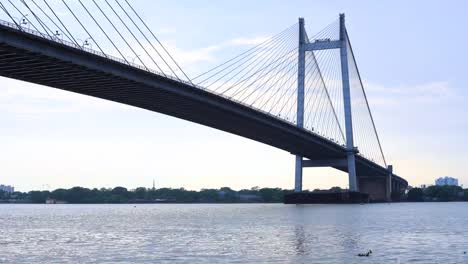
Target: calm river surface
x,y
234,233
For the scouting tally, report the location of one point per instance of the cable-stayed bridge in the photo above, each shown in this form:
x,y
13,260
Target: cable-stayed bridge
x,y
300,93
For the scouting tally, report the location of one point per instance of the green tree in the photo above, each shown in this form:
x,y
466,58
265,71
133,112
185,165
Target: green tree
x,y
336,189
229,195
271,195
38,196
78,195
140,193
415,195
59,194
3,195
444,192
208,195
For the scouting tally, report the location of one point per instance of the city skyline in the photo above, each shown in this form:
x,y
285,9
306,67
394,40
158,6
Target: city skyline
x,y
56,138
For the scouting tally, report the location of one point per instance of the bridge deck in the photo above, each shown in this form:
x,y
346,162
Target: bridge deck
x,y
38,60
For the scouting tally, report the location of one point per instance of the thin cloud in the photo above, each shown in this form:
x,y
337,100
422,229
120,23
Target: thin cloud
x,y
428,93
190,58
247,41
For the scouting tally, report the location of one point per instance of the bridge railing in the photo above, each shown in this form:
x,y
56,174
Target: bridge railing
x,y
89,50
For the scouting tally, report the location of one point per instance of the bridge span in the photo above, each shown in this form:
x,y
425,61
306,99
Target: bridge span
x,y
29,56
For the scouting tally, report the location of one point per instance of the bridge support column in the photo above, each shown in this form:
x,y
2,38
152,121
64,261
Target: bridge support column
x,y
298,176
389,183
351,150
300,99
352,178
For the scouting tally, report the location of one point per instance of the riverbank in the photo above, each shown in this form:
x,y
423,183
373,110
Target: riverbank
x,y
121,195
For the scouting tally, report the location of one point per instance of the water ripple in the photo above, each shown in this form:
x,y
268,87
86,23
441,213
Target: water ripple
x,y
234,233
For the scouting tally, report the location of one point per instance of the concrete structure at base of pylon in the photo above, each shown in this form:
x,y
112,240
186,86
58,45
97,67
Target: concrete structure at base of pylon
x,y
372,189
380,188
377,189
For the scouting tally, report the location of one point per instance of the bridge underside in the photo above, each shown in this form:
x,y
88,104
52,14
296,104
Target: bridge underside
x,y
33,59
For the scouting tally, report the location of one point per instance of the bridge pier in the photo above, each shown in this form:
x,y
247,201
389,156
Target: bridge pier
x,y
389,183
381,189
298,176
398,190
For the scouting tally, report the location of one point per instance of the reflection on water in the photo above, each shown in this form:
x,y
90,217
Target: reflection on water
x,y
300,241
247,233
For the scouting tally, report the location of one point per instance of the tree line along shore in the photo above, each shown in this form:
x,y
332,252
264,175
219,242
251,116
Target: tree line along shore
x,y
146,195
80,195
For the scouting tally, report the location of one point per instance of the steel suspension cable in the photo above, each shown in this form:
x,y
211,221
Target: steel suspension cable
x,y
260,54
317,103
313,92
10,16
276,55
247,52
261,72
252,61
286,91
26,18
103,31
113,10
322,102
256,69
60,21
162,46
84,28
144,36
292,67
45,27
53,22
365,96
282,67
328,96
121,36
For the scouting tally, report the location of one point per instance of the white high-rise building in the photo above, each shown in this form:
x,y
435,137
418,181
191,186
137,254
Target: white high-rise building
x,y
7,188
446,181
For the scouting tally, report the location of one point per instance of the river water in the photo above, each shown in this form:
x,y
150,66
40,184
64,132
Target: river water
x,y
234,233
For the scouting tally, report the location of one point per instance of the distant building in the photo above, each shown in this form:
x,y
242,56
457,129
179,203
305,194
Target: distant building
x,y
7,188
446,181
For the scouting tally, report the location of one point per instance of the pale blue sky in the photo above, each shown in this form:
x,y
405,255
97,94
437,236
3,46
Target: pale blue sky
x,y
411,54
